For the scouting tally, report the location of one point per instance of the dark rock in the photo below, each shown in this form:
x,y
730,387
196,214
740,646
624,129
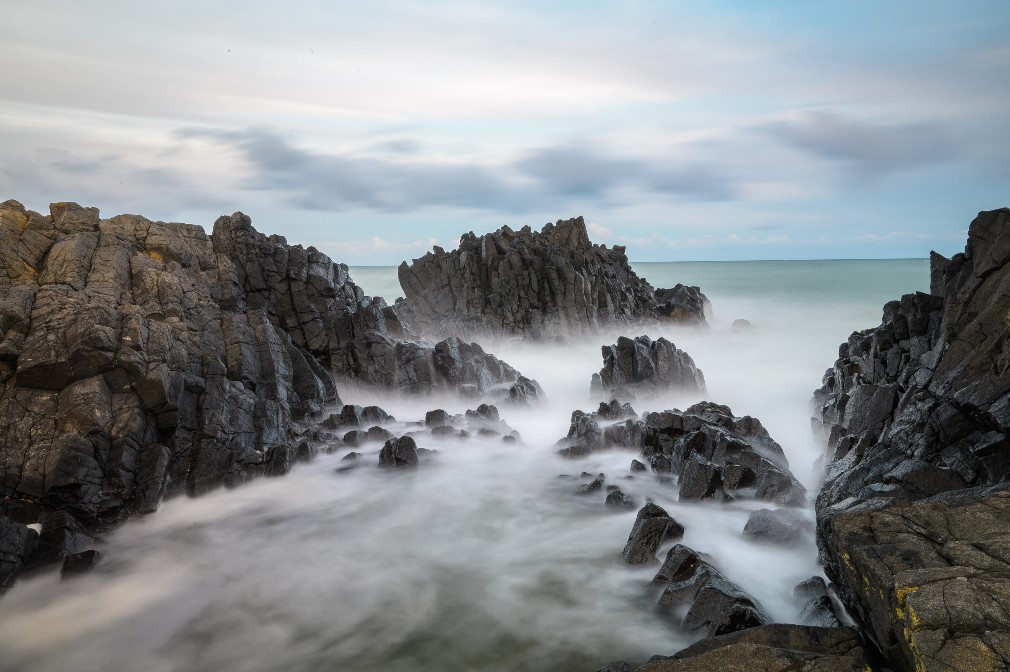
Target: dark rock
x,y
535,285
653,526
79,563
819,612
770,648
637,466
643,366
811,588
715,605
615,410
700,480
400,452
682,304
375,434
782,527
17,541
593,486
350,456
437,418
617,499
741,325
915,414
616,666
62,535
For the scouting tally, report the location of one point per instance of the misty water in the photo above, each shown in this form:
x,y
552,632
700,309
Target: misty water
x,y
482,558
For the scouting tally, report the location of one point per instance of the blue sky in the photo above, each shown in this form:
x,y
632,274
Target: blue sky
x,y
683,130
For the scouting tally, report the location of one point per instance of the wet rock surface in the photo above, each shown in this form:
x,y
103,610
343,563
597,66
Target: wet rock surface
x,y
653,526
534,285
915,415
141,359
641,367
705,601
714,454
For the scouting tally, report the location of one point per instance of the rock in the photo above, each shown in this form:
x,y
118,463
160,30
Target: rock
x,y
534,285
79,563
700,480
594,485
682,304
17,541
376,434
616,666
617,499
400,452
915,415
144,359
740,325
437,418
632,368
811,588
819,612
770,648
653,526
715,605
638,467
782,527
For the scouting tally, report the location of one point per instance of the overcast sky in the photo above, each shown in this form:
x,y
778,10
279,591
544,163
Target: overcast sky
x,y
684,130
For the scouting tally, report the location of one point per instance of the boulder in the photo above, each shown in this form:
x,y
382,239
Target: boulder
x,y
783,527
714,604
653,526
681,304
400,452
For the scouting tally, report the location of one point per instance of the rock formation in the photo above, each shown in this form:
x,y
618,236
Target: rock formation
x,y
714,454
641,366
141,358
912,517
534,285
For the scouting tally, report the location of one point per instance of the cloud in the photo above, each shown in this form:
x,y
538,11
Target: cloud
x,y
543,178
869,149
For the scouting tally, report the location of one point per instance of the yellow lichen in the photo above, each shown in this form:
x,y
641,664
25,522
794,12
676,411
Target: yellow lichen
x,y
154,254
903,592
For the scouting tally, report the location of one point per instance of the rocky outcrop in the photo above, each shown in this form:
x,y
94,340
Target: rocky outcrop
x,y
141,358
915,415
641,367
682,304
534,285
653,526
714,454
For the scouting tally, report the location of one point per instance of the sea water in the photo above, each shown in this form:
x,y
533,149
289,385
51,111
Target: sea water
x,y
483,558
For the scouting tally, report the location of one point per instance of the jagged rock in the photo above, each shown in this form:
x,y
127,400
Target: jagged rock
x,y
17,541
471,372
616,666
594,485
715,605
653,526
617,499
715,454
915,414
783,527
770,648
682,304
400,452
819,612
79,563
637,466
437,418
615,410
811,588
534,285
140,359
641,366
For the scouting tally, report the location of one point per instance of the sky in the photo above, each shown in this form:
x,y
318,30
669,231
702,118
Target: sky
x,y
373,131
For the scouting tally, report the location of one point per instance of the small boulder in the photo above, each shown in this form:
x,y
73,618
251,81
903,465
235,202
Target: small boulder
x,y
653,526
400,452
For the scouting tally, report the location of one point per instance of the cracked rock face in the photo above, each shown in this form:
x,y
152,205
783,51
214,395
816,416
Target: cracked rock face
x,y
915,412
533,285
714,454
140,358
641,366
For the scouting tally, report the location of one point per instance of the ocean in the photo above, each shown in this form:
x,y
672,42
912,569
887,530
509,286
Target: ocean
x,y
482,558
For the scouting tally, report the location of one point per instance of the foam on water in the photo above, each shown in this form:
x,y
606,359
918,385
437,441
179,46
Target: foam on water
x,y
480,559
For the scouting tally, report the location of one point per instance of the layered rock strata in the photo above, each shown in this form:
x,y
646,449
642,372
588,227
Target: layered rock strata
x,y
534,285
912,515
